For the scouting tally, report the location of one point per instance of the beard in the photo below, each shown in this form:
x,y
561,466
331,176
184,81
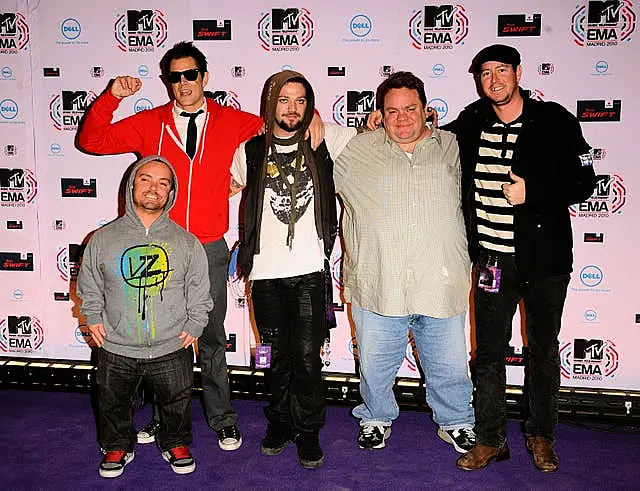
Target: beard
x,y
293,127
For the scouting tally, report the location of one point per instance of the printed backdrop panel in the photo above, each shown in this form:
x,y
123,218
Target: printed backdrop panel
x,y
58,56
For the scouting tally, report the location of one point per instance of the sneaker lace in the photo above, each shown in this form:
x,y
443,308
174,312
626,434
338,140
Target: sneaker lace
x,y
468,434
229,432
181,452
368,430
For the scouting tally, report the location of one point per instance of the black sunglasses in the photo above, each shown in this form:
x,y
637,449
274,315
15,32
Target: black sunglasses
x,y
191,75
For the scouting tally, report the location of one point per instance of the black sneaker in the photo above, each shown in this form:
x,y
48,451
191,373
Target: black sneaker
x,y
180,459
373,436
114,462
229,438
147,434
277,438
462,439
309,451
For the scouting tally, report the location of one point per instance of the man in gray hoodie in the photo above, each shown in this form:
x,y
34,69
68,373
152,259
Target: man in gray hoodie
x,y
145,293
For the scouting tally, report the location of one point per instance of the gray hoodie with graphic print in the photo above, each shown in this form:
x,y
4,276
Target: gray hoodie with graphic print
x,y
145,286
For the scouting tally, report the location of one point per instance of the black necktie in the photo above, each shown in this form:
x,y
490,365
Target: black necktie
x,y
192,132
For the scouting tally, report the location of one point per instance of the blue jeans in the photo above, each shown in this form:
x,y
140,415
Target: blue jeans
x,y
382,342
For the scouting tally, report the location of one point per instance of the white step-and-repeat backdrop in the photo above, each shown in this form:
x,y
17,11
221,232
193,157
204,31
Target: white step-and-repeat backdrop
x,y
57,55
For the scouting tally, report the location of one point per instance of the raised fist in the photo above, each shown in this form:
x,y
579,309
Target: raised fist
x,y
125,86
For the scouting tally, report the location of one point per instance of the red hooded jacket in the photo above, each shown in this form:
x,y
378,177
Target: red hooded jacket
x,y
202,204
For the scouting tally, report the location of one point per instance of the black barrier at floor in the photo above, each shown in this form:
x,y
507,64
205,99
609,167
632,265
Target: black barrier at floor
x,y
577,404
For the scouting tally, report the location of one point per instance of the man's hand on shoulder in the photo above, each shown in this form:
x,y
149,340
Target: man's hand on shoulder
x,y
374,120
316,131
124,86
432,115
235,187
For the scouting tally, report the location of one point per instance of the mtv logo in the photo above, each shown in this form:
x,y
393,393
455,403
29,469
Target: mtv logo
x,y
588,349
438,16
12,178
19,325
546,68
360,102
140,20
604,12
386,70
8,23
603,185
285,19
74,100
10,150
222,97
75,252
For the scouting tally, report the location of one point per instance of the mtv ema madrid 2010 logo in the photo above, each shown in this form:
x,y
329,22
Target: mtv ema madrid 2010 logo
x,y
607,200
14,33
140,31
67,108
18,187
285,29
20,334
591,360
438,27
603,23
352,108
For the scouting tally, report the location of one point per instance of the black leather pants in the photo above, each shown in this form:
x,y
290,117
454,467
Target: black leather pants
x,y
291,315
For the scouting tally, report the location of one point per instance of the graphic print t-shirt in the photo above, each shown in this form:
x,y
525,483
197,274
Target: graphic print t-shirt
x,y
306,255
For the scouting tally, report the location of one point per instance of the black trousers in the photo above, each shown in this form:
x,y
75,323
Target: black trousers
x,y
291,315
543,303
171,379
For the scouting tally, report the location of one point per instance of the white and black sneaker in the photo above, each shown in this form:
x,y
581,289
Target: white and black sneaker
x,y
462,439
373,436
148,432
229,438
180,459
114,462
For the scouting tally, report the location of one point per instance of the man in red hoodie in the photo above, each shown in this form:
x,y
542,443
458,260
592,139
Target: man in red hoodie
x,y
199,137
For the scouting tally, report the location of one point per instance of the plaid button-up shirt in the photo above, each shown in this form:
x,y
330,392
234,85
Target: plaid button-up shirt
x,y
405,247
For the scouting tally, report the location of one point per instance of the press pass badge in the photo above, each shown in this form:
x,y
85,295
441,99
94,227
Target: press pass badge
x,y
489,276
586,159
263,355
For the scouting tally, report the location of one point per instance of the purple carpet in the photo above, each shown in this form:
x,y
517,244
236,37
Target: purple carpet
x,y
49,442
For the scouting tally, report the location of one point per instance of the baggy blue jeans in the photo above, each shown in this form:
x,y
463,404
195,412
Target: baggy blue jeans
x,y
382,342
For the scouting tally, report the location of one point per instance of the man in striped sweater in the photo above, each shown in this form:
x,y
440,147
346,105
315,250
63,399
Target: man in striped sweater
x,y
523,163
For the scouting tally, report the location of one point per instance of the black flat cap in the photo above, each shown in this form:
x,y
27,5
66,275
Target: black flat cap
x,y
496,52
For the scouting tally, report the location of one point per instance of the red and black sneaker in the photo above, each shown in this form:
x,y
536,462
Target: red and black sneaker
x,y
114,461
180,459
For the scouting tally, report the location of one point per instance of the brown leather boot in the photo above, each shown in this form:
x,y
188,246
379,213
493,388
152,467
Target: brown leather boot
x,y
480,456
544,456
